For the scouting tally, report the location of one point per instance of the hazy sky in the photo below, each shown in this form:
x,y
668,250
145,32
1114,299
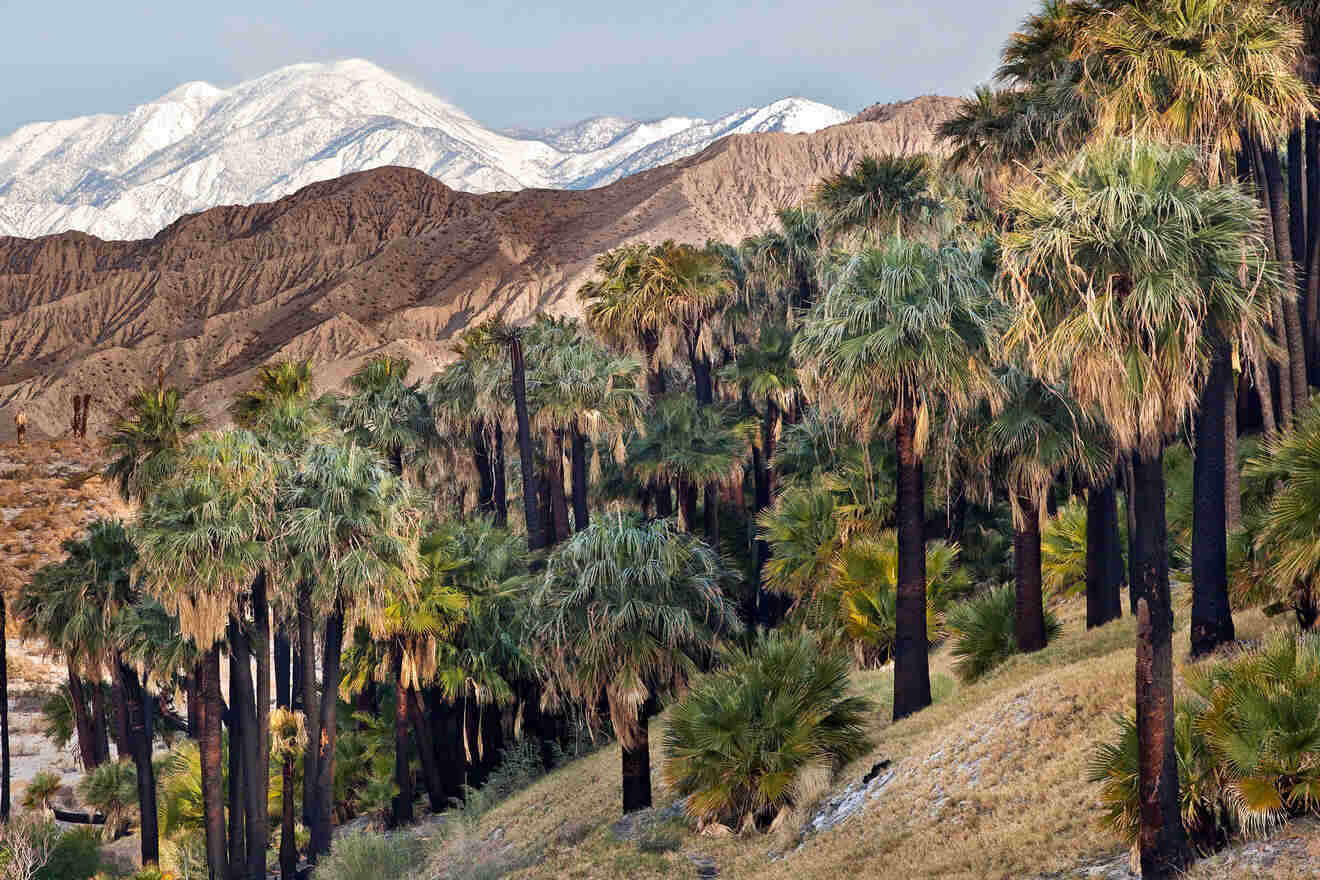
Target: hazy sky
x,y
506,63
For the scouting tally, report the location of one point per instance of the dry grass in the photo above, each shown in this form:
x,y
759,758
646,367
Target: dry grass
x,y
990,782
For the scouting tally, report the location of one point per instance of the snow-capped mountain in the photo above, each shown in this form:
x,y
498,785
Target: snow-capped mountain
x,y
200,146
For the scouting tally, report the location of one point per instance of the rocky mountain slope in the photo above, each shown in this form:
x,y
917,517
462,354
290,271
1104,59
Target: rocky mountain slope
x,y
199,146
389,259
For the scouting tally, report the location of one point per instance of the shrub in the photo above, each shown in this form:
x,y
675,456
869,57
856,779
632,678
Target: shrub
x,y
744,741
1063,551
40,790
76,855
1248,745
983,631
518,768
25,846
111,788
368,856
864,585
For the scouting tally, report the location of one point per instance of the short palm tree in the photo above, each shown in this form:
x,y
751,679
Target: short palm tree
x,y
288,738
384,413
627,610
902,332
1115,262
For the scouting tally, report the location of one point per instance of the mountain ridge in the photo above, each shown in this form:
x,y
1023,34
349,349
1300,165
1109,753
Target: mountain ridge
x,y
199,146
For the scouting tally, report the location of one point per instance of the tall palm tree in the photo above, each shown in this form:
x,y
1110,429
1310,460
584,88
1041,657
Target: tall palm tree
x,y
1116,300
877,196
8,577
384,413
205,543
349,527
902,332
1222,76
1037,433
627,610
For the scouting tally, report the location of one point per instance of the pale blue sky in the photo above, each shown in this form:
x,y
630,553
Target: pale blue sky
x,y
507,63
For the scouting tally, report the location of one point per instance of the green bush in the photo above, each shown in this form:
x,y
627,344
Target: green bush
x,y
519,767
40,790
983,630
111,788
76,855
746,740
368,856
1248,745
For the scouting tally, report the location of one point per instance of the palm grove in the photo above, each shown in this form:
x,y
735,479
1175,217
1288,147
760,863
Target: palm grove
x,y
749,468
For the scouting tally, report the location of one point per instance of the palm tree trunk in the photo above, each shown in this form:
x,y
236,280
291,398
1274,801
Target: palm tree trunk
x,y
1277,201
664,502
283,668
259,779
239,733
118,699
687,494
501,491
765,615
485,473
82,722
1312,247
4,715
911,644
402,808
1161,839
325,762
138,709
1232,473
99,723
1130,491
426,751
244,703
311,703
1030,618
558,501
1212,618
526,452
207,674
581,513
636,760
1104,561
1297,235
288,839
711,513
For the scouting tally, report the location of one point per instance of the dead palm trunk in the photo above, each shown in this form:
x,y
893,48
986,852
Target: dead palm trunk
x,y
1030,606
526,451
1161,839
402,808
1212,618
911,644
207,673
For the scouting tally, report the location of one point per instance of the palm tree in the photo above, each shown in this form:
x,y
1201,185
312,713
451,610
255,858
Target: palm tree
x,y
1037,433
582,392
205,543
348,527
690,445
627,610
76,605
384,413
144,442
1222,76
8,576
902,332
1116,300
288,737
877,196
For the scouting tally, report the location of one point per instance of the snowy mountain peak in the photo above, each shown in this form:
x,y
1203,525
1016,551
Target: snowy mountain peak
x,y
199,146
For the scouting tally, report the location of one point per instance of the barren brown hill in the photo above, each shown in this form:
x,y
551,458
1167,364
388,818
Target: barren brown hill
x,y
389,259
